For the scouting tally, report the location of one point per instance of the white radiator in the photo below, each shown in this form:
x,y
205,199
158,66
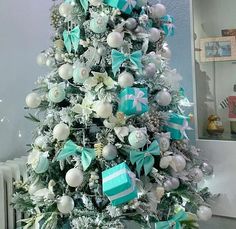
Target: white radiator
x,y
10,171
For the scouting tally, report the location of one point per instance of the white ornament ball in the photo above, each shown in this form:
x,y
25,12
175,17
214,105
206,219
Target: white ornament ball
x,y
66,71
33,100
196,174
175,183
101,50
137,139
65,9
131,23
166,53
65,204
41,142
164,143
115,40
150,70
154,34
61,132
204,213
163,98
165,162
80,74
103,109
74,177
126,79
41,59
179,162
109,152
158,11
58,57
50,62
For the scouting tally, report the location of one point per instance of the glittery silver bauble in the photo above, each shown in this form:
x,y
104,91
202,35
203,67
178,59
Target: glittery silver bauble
x,y
171,184
65,204
204,213
115,39
196,174
179,163
163,98
207,169
131,23
74,177
126,79
154,34
150,70
165,162
109,152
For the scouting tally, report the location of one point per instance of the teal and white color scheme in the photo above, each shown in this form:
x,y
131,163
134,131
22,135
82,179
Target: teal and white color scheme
x,y
118,184
133,101
125,6
177,126
168,25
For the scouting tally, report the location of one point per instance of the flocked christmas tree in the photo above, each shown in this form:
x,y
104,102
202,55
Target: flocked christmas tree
x,y
111,143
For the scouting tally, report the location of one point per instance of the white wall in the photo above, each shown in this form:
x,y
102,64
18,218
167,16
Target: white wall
x,y
24,33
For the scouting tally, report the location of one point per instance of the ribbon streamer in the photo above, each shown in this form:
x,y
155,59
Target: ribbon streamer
x,y
145,159
71,149
84,3
119,58
138,99
174,222
72,38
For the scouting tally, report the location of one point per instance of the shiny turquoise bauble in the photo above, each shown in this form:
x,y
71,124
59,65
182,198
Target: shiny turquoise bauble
x,y
57,94
137,139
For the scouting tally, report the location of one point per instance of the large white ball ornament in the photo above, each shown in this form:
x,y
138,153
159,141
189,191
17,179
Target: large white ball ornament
x,y
65,9
179,162
41,59
137,139
150,70
163,98
33,100
65,204
61,132
204,213
131,23
154,34
166,53
196,174
103,109
74,177
158,11
126,79
66,71
115,40
109,152
41,142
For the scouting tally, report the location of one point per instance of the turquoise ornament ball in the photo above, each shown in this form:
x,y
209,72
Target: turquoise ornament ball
x,y
137,139
57,94
42,165
80,74
99,24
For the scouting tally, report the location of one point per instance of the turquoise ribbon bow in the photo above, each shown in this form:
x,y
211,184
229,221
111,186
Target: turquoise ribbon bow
x,y
84,3
119,58
145,159
70,148
72,38
174,222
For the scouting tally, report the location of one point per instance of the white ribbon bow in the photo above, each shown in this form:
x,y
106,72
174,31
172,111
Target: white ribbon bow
x,y
182,128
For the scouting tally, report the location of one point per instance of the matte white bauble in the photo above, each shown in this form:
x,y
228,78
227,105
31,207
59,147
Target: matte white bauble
x,y
158,10
41,142
115,39
109,152
33,100
163,98
65,9
61,132
50,62
126,79
66,71
58,57
150,70
166,53
65,204
204,213
154,34
131,23
41,59
103,109
196,174
74,177
179,163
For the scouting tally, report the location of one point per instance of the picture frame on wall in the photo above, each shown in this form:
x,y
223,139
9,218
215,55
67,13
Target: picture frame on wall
x,y
218,49
228,32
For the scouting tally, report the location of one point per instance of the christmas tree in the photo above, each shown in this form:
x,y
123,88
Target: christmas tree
x,y
110,144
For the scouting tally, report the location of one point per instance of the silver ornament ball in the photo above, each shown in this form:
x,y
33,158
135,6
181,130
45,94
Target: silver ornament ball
x,y
207,169
65,9
131,24
150,70
65,204
157,11
115,39
74,177
126,79
179,162
163,98
104,109
61,132
109,152
154,34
